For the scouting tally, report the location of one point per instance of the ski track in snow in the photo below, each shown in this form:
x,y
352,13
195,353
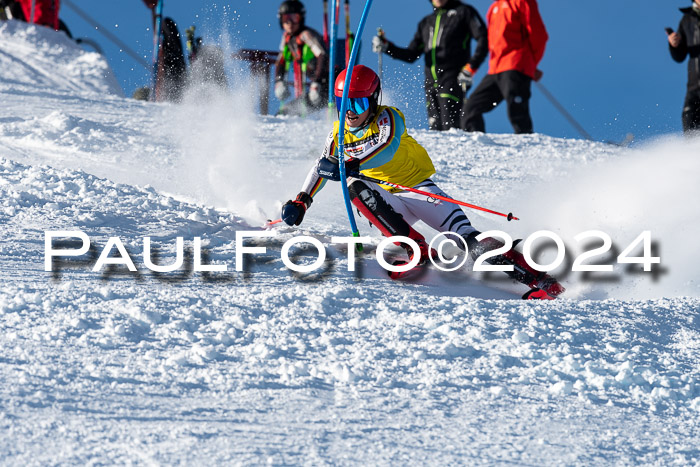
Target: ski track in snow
x,y
264,366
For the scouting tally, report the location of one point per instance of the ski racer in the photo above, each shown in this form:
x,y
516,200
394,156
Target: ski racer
x,y
303,50
686,42
444,37
377,145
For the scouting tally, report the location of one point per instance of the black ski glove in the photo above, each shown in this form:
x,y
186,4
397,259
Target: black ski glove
x,y
293,211
328,168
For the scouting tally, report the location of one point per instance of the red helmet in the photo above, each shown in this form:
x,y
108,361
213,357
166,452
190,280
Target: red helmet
x,y
364,83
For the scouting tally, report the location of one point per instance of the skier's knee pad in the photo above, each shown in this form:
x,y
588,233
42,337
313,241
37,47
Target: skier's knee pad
x,y
372,205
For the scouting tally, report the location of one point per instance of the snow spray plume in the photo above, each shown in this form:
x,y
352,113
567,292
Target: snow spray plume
x,y
650,188
223,146
214,128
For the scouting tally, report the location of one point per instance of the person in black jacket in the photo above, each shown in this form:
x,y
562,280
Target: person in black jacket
x,y
445,38
686,42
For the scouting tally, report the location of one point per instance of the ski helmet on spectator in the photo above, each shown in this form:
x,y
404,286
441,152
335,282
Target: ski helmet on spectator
x,y
291,7
364,91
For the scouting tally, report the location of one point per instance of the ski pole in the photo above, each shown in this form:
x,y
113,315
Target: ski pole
x,y
380,33
325,22
331,61
508,216
341,117
157,42
348,33
563,111
270,223
105,32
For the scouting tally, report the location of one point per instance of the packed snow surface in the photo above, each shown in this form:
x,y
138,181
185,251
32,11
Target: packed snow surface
x,y
332,367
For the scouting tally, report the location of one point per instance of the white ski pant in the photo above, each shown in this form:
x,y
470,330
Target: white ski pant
x,y
438,214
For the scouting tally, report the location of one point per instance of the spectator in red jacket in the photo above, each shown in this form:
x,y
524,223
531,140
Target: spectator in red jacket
x,y
517,39
45,12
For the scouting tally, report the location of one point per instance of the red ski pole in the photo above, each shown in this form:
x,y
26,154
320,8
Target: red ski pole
x,y
508,216
270,223
326,39
348,33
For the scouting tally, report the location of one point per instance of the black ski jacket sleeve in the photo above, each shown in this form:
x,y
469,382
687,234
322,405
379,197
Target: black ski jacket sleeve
x,y
689,30
411,53
444,37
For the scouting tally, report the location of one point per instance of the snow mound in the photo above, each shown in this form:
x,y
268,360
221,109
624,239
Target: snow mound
x,y
208,353
48,62
122,367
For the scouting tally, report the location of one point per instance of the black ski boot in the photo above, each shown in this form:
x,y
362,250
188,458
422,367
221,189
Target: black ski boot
x,y
542,286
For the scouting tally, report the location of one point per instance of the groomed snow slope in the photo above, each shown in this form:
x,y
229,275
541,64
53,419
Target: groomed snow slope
x,y
265,366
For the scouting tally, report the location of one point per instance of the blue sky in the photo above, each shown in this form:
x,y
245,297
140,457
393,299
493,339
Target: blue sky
x,y
607,62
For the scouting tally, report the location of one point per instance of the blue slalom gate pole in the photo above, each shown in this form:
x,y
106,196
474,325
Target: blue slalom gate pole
x,y
341,117
157,38
331,62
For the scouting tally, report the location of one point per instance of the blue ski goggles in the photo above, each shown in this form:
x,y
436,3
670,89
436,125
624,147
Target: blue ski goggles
x,y
357,105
